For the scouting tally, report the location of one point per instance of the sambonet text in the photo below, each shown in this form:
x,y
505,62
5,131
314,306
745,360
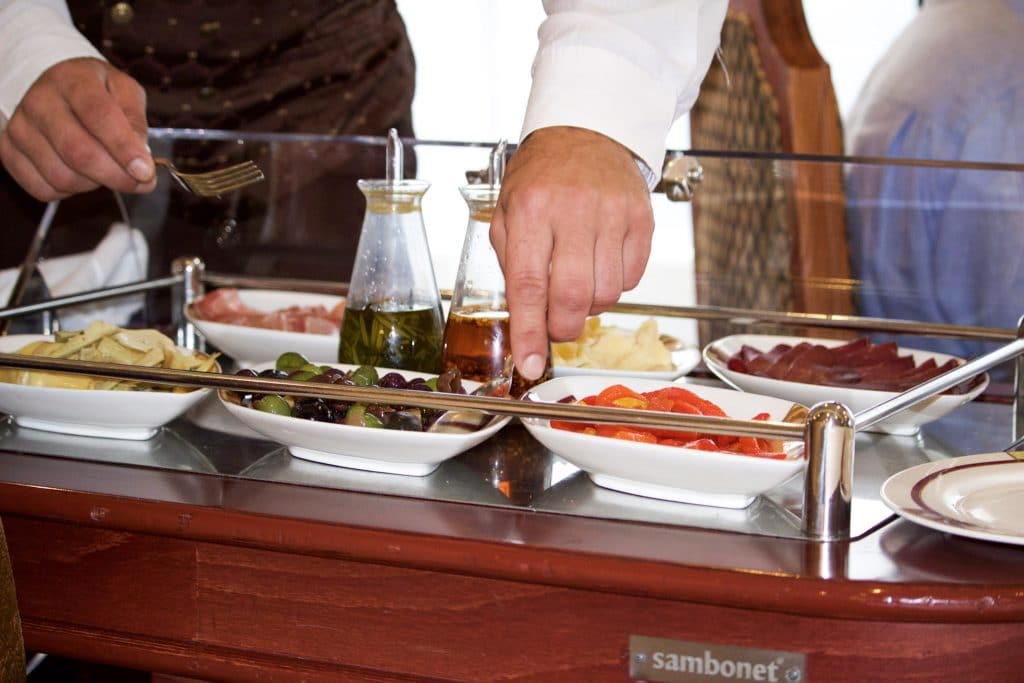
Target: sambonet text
x,y
708,665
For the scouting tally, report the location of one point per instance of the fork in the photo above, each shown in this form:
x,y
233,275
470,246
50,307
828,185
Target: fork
x,y
214,183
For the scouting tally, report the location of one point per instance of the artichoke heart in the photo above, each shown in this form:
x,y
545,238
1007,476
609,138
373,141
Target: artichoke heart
x,y
105,343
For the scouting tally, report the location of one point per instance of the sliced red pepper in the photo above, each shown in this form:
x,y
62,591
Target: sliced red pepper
x,y
703,444
705,406
570,426
616,392
626,433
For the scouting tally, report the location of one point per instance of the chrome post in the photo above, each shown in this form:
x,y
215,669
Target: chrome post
x,y
1018,388
828,481
191,269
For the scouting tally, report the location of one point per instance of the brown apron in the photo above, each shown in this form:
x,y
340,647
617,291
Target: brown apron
x,y
310,66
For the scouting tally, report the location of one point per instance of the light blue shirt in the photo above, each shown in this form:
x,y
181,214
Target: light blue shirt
x,y
940,244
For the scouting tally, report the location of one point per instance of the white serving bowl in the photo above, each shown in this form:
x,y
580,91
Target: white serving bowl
x,y
251,345
362,448
907,422
685,475
113,414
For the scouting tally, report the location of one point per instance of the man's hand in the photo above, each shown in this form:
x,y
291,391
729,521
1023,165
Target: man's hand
x,y
80,126
572,231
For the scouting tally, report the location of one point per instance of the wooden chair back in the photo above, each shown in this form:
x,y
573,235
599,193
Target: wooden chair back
x,y
769,236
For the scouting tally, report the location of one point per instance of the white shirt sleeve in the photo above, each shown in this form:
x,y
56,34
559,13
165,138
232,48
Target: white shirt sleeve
x,y
34,35
627,70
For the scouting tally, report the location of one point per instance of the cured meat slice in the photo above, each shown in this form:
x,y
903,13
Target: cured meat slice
x,y
858,364
224,305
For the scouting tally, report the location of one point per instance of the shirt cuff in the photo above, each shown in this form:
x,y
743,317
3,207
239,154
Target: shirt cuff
x,y
32,39
587,87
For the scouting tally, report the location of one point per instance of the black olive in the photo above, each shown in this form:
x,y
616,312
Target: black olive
x,y
408,420
316,409
392,380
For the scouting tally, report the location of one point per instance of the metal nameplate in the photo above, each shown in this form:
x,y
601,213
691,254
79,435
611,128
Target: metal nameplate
x,y
663,660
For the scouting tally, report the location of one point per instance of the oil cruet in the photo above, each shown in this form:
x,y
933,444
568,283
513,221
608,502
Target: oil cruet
x,y
393,316
476,335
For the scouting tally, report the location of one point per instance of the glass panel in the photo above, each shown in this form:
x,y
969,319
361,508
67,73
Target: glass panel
x,y
766,235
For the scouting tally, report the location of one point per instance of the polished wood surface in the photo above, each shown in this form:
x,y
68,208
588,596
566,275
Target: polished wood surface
x,y
228,579
12,652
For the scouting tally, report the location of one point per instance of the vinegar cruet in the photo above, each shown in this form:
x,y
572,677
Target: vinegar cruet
x,y
476,335
393,316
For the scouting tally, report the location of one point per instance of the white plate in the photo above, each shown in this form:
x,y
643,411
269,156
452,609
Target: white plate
x,y
909,421
363,448
977,496
251,345
134,415
667,472
684,361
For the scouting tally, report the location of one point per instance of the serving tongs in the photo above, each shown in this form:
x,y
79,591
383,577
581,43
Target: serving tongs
x,y
410,397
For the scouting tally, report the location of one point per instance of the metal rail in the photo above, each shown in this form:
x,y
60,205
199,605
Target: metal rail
x,y
421,399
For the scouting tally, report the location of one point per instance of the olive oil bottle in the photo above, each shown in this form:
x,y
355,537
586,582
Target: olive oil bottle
x,y
393,315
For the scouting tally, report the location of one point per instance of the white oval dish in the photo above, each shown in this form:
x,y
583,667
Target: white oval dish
x,y
363,448
251,345
133,415
666,472
907,422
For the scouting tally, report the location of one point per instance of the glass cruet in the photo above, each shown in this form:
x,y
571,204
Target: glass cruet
x,y
476,335
393,316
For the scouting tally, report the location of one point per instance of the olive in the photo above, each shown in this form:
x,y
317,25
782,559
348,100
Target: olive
x,y
333,373
345,380
392,380
432,383
244,397
358,416
301,375
274,373
272,403
364,376
408,420
419,384
450,381
316,409
289,361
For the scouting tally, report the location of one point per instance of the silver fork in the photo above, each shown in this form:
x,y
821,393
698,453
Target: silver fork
x,y
217,182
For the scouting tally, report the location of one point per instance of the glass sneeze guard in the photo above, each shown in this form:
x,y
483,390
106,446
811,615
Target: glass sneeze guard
x,y
830,248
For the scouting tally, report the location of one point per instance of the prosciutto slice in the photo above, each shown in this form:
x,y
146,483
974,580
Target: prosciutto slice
x,y
224,305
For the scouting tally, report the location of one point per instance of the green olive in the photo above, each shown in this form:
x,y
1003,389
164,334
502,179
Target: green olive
x,y
290,361
432,383
272,403
365,376
358,416
302,375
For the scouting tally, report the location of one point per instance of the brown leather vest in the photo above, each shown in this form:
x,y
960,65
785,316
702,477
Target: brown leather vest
x,y
314,66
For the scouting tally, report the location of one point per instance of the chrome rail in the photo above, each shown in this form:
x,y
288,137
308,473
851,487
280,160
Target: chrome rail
x,y
746,316
421,399
89,296
937,385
